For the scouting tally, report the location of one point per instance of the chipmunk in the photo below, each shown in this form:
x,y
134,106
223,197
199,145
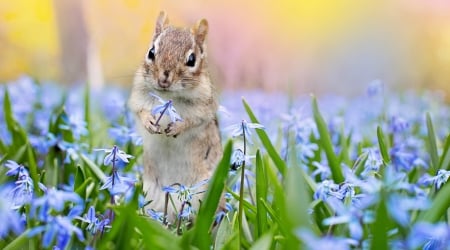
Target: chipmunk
x,y
185,152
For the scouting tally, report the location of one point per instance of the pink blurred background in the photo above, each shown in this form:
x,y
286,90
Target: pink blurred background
x,y
290,45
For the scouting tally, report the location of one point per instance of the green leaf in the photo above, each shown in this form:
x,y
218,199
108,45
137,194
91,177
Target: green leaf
x,y
225,234
344,156
379,228
128,228
33,167
358,166
79,177
246,203
326,144
80,184
19,242
94,168
439,205
81,188
382,144
261,194
279,163
432,146
18,134
264,242
213,195
297,202
444,162
58,118
3,148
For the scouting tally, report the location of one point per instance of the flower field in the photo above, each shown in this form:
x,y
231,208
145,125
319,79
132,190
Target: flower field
x,y
298,172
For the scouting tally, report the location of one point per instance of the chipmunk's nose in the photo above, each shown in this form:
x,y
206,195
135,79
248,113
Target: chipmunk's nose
x,y
164,81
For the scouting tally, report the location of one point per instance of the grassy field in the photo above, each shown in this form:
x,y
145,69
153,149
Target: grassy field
x,y
368,172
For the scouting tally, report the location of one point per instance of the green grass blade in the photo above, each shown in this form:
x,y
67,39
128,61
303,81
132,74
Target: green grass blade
x,y
439,205
128,228
326,144
261,194
208,209
18,134
225,233
358,166
297,199
379,228
344,156
444,162
19,242
246,203
94,168
264,242
279,163
274,215
383,146
432,146
33,168
81,188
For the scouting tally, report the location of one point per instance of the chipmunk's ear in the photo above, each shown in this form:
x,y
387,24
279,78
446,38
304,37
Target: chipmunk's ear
x,y
161,23
200,30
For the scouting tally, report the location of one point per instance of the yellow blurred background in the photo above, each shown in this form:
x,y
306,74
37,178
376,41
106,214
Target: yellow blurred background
x,y
304,45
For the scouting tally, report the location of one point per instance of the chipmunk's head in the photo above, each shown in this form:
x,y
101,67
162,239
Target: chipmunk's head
x,y
176,58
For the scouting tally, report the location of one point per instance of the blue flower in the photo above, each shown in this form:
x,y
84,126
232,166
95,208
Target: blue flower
x,y
10,218
23,191
71,150
373,162
184,193
238,157
404,159
187,211
56,200
14,168
314,242
398,125
123,135
115,156
75,124
95,224
59,227
353,216
43,142
375,88
306,150
399,207
429,236
158,216
223,212
166,108
438,180
326,189
117,184
243,129
322,170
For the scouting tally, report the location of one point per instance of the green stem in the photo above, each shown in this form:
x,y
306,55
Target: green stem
x,y
241,190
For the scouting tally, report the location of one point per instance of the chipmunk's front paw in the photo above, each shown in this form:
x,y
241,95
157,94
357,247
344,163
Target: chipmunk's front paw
x,y
174,128
151,126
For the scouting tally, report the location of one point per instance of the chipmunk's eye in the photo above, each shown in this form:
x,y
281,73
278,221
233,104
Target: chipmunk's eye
x,y
191,60
151,54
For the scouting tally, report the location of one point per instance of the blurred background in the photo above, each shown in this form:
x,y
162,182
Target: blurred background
x,y
290,45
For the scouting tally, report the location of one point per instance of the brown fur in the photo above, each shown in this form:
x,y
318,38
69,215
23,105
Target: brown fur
x,y
187,151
